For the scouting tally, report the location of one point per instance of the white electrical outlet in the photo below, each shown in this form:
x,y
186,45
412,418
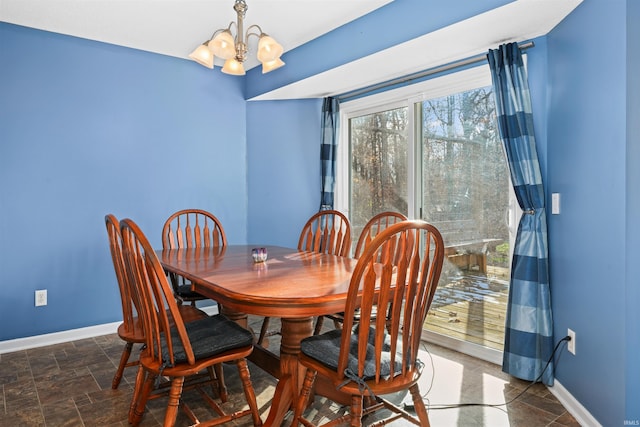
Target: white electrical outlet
x,y
41,297
571,345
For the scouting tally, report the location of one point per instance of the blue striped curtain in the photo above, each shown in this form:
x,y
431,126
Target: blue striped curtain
x,y
328,150
529,329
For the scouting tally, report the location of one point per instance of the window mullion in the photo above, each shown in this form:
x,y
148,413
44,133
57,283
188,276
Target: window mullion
x,y
414,180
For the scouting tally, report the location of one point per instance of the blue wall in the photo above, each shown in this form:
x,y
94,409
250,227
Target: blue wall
x,y
632,248
73,132
587,148
86,129
283,142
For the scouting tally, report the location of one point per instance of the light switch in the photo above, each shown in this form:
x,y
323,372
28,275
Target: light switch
x,y
555,203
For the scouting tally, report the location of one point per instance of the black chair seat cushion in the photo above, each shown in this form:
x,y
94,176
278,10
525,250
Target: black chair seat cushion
x,y
184,291
325,348
209,336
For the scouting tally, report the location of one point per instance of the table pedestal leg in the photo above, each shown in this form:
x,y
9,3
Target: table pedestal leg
x,y
240,318
292,375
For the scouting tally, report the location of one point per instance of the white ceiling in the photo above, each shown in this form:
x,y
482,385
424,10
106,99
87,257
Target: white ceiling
x,y
176,27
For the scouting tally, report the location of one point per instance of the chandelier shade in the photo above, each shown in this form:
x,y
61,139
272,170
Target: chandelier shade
x,y
203,56
272,65
268,49
233,50
234,67
223,45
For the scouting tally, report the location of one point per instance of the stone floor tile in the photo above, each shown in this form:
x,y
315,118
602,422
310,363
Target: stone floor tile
x,y
69,384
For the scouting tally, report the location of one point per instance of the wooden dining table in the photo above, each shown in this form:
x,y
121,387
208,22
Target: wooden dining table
x,y
291,284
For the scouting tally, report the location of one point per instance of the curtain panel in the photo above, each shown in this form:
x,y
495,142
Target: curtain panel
x,y
328,151
528,342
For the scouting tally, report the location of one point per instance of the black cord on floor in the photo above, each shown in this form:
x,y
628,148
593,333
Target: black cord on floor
x,y
463,405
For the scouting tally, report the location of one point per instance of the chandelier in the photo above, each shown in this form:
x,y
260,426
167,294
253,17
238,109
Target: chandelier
x,y
234,49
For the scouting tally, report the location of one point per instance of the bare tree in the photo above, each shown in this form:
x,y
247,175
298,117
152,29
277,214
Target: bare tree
x,y
463,165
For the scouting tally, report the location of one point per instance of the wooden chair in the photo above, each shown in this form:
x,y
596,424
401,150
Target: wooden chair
x,y
130,330
175,349
328,232
370,230
374,226
191,228
397,273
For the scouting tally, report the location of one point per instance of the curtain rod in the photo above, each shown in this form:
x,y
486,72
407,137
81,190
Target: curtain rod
x,y
421,74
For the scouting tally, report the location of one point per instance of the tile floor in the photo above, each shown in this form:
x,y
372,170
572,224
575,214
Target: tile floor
x,y
69,384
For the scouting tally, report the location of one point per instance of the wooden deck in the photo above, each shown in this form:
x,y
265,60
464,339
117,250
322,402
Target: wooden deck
x,y
471,306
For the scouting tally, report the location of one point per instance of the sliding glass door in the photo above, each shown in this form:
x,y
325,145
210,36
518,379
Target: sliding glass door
x,y
439,158
465,192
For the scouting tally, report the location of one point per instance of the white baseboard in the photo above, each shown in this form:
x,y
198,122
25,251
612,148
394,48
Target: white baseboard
x,y
574,407
26,343
57,337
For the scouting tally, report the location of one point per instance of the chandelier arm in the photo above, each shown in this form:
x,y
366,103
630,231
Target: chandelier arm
x,y
221,30
231,24
249,33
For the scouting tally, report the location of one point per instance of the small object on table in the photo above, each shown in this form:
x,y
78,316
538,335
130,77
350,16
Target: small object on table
x,y
259,254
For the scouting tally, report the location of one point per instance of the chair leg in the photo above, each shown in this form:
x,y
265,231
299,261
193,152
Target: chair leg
x,y
140,403
305,395
173,279
263,330
419,406
174,401
126,352
137,390
356,411
222,387
249,392
319,323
